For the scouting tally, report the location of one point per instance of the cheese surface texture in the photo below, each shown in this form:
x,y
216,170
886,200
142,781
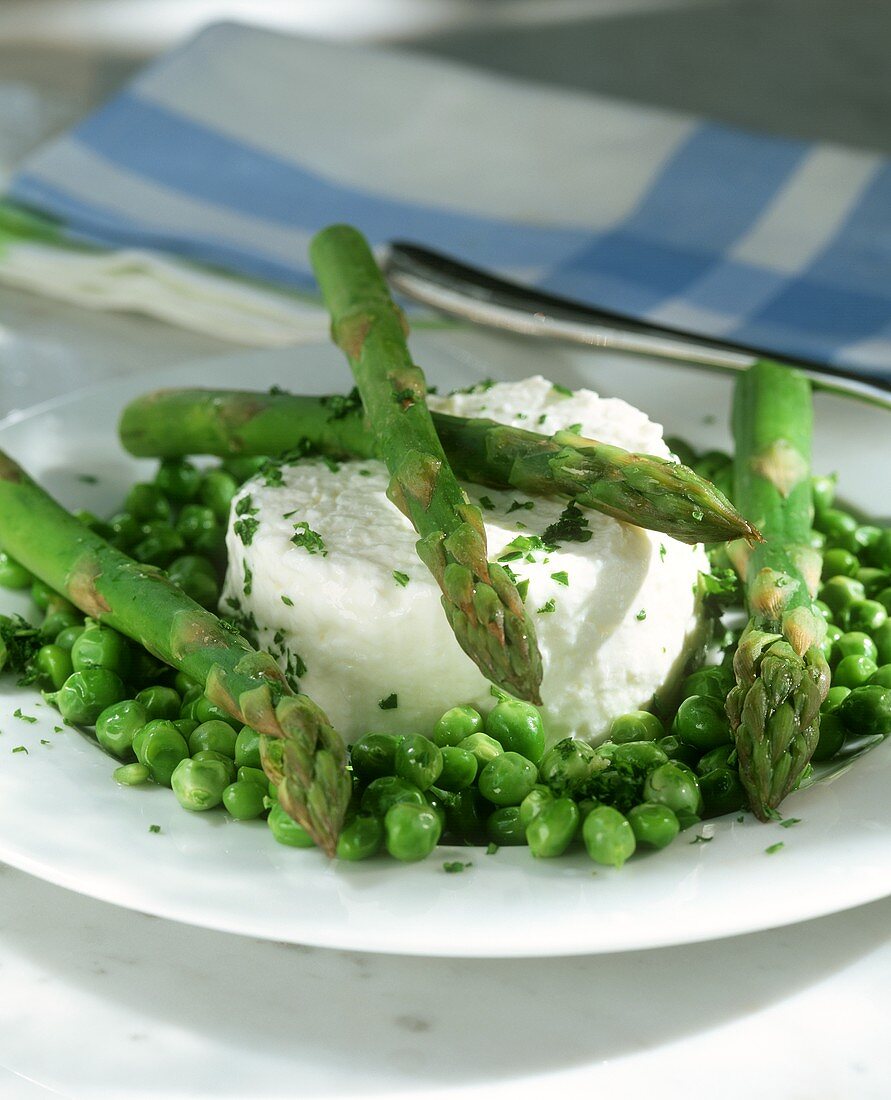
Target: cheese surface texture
x,y
327,577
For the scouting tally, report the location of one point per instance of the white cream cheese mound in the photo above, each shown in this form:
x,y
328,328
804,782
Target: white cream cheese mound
x,y
332,584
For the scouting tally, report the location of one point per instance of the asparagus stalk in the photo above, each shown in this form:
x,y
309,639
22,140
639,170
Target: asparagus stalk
x,y
482,604
302,754
781,674
636,488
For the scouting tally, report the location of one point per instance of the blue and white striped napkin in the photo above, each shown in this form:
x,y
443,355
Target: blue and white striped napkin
x,y
231,151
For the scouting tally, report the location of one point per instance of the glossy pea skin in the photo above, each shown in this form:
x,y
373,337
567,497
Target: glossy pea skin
x,y
653,825
186,726
640,756
217,490
835,697
205,711
636,725
387,791
882,640
195,519
678,750
131,775
722,792
505,828
608,836
839,528
85,694
214,735
197,578
13,575
853,671
118,724
533,803
247,748
466,813
146,502
102,647
456,724
53,666
865,615
361,838
867,711
518,728
823,489
567,766
881,676
286,830
481,746
715,758
374,755
702,723
713,682
42,594
674,786
507,779
66,638
832,737
247,774
459,769
159,545
160,702
244,800
178,479
163,748
198,784
840,563
874,582
551,831
411,831
878,553
57,621
840,592
227,762
418,760
211,544
854,643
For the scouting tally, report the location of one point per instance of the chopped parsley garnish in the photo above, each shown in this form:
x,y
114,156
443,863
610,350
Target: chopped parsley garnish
x,y
17,713
154,828
574,428
548,606
572,526
789,822
455,866
234,603
340,405
519,505
542,418
564,391
663,550
774,848
246,526
491,849
477,387
561,578
641,615
401,579
332,463
522,588
272,475
310,540
20,748
390,703
248,580
287,601
277,391
19,643
406,398
487,503
88,479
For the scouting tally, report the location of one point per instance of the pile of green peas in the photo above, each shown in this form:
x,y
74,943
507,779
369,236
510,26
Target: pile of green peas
x,y
476,779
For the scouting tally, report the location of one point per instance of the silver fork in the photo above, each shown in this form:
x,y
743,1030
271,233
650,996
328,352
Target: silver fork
x,y
459,290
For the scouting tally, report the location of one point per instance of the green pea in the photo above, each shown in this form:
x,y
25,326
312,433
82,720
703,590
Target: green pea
x,y
247,774
854,644
247,748
455,725
53,666
532,804
159,546
102,647
840,563
214,735
206,711
286,830
608,836
702,723
42,594
817,540
867,710
823,489
466,812
418,760
65,639
504,827
12,574
639,756
883,596
824,610
161,748
212,545
873,581
674,786
839,528
722,792
125,530
681,450
841,592
715,758
836,696
866,615
678,750
146,502
183,683
882,639
197,578
411,831
881,676
57,621
832,737
507,779
852,671
146,670
459,769
518,728
118,724
482,746
636,725
193,520
360,838
374,755
131,775
550,832
198,784
186,726
217,490
653,825
160,702
178,479
85,694
878,553
713,682
387,791
227,762
568,765
241,467
244,800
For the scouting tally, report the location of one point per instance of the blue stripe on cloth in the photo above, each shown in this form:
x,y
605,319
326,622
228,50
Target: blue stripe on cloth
x,y
192,159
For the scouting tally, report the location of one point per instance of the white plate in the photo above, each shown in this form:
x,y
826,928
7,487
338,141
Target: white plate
x,y
63,819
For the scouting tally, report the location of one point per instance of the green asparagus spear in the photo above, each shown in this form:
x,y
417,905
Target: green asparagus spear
x,y
482,604
636,488
781,675
302,754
